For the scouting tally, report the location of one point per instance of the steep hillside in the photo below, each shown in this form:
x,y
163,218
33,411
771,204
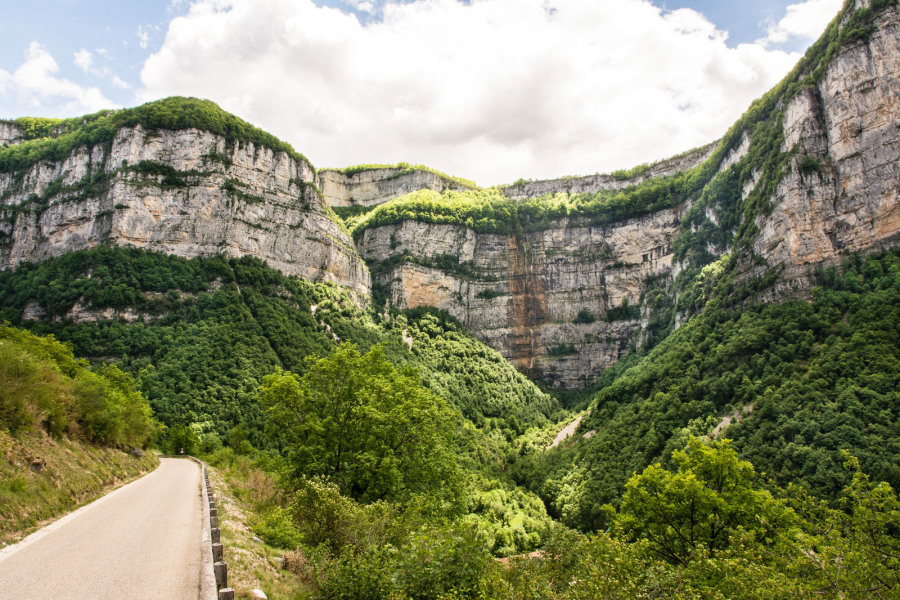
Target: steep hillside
x,y
794,384
68,433
200,335
179,176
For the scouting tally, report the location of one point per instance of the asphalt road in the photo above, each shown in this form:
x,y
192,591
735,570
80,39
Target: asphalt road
x,y
141,541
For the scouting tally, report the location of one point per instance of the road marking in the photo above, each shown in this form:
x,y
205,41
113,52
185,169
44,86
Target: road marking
x,y
42,533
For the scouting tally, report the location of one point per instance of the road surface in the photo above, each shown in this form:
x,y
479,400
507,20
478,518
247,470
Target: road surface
x,y
141,541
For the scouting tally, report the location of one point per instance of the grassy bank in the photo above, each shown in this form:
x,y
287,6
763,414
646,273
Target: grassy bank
x,y
42,478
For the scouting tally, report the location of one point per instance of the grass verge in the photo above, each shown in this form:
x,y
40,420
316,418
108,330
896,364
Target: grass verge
x,y
42,478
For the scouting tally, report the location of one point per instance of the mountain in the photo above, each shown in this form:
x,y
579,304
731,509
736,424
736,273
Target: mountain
x,y
201,253
562,277
572,273
179,176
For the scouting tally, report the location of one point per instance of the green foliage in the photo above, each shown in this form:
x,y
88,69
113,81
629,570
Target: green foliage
x,y
210,329
809,165
625,312
166,176
52,140
371,429
351,215
815,377
509,520
562,350
475,378
489,294
276,528
585,316
489,211
181,440
42,384
702,504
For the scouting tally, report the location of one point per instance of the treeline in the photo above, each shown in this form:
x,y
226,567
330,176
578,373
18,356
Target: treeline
x,y
55,139
489,211
43,386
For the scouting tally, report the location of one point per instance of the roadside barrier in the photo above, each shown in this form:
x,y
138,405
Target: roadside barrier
x,y
220,567
214,570
214,581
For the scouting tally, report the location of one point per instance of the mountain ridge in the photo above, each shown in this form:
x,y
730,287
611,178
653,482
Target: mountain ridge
x,y
563,284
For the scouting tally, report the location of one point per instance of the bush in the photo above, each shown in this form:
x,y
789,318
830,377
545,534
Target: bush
x,y
277,529
585,316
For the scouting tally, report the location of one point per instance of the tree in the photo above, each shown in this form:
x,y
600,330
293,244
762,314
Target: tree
x,y
182,440
852,551
708,499
368,427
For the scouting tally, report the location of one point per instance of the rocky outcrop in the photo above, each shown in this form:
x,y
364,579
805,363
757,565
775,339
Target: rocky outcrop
x,y
371,187
9,133
591,184
841,194
554,303
187,193
563,303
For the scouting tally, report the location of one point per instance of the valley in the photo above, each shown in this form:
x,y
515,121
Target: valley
x,y
378,359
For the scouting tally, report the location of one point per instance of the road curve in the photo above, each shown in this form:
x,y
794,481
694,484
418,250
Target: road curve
x,y
141,541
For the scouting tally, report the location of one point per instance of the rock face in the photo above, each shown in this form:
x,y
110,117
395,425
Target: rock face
x,y
591,184
186,193
842,193
562,303
554,302
371,187
9,133
565,303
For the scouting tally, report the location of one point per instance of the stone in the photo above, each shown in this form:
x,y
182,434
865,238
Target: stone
x,y
263,204
371,187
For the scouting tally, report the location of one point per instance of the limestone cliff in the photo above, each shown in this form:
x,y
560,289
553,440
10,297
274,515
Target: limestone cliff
x,y
377,185
9,134
811,171
558,303
186,192
590,184
843,133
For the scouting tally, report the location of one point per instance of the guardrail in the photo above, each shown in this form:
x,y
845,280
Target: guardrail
x,y
214,575
220,567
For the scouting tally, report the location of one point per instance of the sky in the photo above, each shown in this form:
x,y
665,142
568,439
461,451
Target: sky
x,y
490,90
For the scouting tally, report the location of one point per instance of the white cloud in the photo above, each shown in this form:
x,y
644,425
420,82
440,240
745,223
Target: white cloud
x,y
492,90
805,20
119,82
35,84
143,36
83,60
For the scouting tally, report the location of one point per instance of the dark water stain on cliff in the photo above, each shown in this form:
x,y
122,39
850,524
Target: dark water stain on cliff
x,y
527,288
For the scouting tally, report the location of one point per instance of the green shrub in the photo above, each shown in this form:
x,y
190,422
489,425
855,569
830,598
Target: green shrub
x,y
585,316
277,529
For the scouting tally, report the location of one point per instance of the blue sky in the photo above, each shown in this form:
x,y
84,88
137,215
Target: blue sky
x,y
487,89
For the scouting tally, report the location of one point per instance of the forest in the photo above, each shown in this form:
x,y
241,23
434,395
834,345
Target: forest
x,y
744,449
229,353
